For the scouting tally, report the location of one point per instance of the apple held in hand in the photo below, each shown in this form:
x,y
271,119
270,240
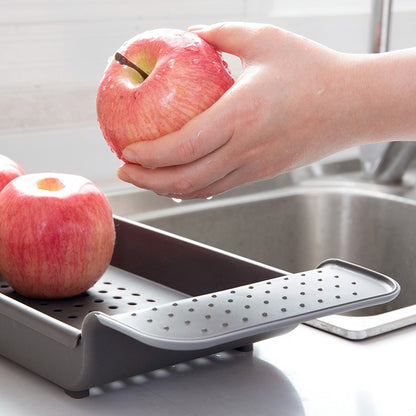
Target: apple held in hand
x,y
157,82
56,234
9,170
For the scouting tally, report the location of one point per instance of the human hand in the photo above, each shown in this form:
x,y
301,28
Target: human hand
x,y
293,104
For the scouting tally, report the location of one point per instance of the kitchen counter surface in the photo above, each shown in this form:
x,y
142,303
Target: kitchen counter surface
x,y
305,372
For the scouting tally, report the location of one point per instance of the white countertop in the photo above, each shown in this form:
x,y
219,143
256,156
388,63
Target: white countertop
x,y
305,372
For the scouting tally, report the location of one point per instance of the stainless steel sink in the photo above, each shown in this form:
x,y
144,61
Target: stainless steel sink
x,y
297,220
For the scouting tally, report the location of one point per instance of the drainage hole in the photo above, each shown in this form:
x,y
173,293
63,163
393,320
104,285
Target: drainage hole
x,y
302,305
79,305
102,291
170,315
72,317
150,300
135,294
338,297
4,286
98,301
230,300
303,283
194,300
149,320
353,283
266,302
117,297
319,280
320,300
232,292
191,309
283,309
132,303
267,291
285,287
355,293
214,296
211,305
187,322
337,286
225,324
319,271
247,306
121,288
113,307
284,297
107,283
245,319
227,311
249,296
58,310
302,293
207,316
204,330
264,314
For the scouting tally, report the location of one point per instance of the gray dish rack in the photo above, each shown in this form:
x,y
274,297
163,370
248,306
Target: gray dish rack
x,y
166,299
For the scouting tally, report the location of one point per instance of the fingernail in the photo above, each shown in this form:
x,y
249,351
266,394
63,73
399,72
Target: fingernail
x,y
198,28
129,155
122,175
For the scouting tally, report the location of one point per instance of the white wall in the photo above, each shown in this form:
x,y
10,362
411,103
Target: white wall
x,y
53,53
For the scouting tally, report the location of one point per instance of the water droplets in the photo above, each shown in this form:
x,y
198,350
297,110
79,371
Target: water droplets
x,y
171,63
193,47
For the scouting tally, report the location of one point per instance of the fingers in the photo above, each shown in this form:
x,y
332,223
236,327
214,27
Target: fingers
x,y
200,136
236,38
180,181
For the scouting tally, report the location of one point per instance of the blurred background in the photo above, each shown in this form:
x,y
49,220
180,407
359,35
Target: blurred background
x,y
53,53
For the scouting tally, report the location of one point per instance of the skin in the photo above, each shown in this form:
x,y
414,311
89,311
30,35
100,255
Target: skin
x,y
294,103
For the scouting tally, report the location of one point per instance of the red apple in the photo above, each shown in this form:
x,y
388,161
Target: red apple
x,y
156,82
9,170
56,234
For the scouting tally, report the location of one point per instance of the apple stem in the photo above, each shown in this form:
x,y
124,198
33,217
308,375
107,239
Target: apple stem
x,y
122,60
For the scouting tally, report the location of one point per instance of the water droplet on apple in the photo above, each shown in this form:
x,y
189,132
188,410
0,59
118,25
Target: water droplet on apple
x,y
216,66
192,47
177,200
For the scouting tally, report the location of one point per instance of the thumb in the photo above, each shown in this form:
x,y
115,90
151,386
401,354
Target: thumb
x,y
233,37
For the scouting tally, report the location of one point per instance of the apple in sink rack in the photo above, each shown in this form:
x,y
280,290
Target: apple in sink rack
x,y
56,234
9,170
155,83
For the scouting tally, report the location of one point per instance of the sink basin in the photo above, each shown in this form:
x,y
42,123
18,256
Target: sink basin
x,y
301,219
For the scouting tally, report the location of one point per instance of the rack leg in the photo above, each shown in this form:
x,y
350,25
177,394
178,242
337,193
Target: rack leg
x,y
245,348
78,394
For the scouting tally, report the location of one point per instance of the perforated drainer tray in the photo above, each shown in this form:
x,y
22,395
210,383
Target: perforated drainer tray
x,y
247,311
164,300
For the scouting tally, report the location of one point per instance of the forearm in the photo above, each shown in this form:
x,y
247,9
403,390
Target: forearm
x,y
381,99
